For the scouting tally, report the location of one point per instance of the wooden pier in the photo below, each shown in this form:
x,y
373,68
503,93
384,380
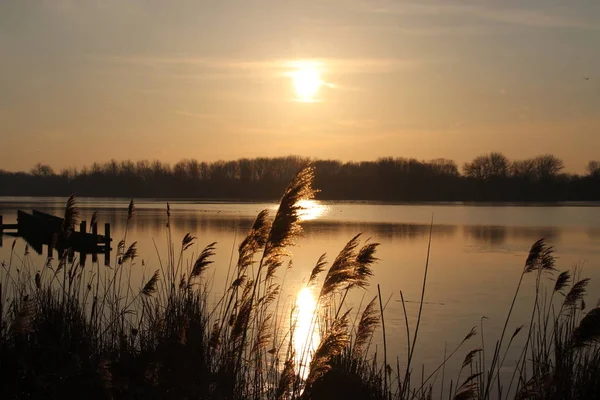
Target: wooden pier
x,y
38,228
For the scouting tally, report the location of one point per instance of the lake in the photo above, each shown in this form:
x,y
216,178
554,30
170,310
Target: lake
x,y
477,255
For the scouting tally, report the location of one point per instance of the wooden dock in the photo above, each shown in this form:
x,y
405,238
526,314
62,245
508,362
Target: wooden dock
x,y
39,228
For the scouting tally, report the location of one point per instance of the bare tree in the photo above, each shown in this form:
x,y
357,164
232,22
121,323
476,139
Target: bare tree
x,y
548,166
593,169
493,165
444,166
523,169
42,170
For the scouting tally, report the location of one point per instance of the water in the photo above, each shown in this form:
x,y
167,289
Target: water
x,y
477,254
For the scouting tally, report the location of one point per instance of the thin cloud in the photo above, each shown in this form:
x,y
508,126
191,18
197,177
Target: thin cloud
x,y
282,66
530,18
195,115
224,123
360,23
512,16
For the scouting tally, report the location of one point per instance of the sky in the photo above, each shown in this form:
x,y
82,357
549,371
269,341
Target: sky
x,y
84,81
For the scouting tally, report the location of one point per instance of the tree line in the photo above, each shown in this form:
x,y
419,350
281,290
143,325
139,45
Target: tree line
x,y
489,177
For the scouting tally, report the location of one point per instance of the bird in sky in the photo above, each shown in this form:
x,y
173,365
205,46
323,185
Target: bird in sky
x,y
586,78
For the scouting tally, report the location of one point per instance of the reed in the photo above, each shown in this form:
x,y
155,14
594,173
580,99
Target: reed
x,y
66,330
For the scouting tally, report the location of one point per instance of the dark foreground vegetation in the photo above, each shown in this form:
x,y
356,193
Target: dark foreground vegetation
x,y
491,177
69,331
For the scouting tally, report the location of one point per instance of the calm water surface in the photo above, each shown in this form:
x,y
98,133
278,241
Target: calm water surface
x,y
477,254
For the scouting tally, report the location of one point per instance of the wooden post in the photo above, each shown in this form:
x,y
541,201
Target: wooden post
x,y
70,255
50,250
83,227
95,231
107,244
94,258
1,225
82,258
107,255
107,234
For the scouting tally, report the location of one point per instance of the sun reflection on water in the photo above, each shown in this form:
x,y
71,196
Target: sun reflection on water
x,y
311,209
306,331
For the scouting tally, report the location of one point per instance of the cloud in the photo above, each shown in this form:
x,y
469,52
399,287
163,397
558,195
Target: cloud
x,y
226,124
223,66
529,18
203,116
513,16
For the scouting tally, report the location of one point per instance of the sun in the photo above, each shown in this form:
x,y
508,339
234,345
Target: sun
x,y
307,81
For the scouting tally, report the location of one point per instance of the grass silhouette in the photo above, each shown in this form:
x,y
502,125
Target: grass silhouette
x,y
69,331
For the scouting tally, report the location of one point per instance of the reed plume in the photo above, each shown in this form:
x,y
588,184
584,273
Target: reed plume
x,y
263,336
331,345
286,224
94,220
286,379
239,281
540,257
342,270
254,241
588,331
260,229
516,332
71,216
562,281
534,388
241,320
576,293
150,287
362,270
187,241
469,357
319,267
469,335
168,223
469,388
366,326
271,294
130,210
203,261
130,254
214,340
121,247
248,289
284,229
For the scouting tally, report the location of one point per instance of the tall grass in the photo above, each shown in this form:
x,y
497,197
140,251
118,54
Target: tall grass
x,y
67,330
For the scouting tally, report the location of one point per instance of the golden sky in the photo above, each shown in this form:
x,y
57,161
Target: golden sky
x,y
84,81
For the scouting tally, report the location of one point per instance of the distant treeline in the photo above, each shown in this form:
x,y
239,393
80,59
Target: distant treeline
x,y
490,177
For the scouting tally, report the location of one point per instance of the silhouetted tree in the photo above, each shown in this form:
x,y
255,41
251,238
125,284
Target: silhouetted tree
x,y
489,166
548,166
42,170
444,167
490,177
523,169
593,169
